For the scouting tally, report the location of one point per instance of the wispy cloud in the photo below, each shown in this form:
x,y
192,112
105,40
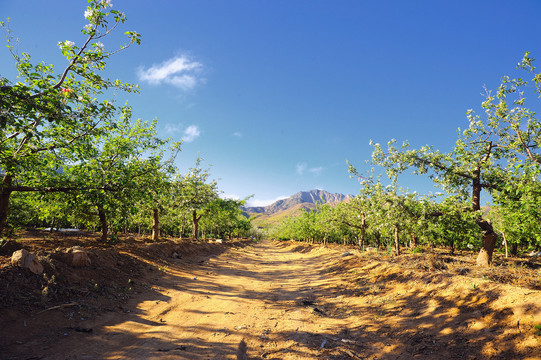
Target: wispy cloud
x,y
237,134
316,170
191,133
172,128
180,71
302,168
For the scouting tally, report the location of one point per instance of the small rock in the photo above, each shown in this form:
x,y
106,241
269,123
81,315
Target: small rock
x,y
27,260
347,253
18,257
219,241
79,257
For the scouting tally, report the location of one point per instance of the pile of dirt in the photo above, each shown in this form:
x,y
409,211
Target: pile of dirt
x,y
517,271
523,271
112,276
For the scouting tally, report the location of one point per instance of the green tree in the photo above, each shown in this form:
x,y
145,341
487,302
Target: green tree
x,y
123,166
225,217
498,153
48,121
196,194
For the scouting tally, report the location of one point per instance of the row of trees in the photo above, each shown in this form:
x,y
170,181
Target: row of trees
x,y
71,157
499,153
177,206
385,217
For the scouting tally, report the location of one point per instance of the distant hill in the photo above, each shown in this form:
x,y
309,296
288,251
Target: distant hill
x,y
303,200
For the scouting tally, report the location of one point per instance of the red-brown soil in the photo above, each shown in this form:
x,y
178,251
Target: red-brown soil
x,y
265,300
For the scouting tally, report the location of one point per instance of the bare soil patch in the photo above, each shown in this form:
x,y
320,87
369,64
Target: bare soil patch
x,y
266,300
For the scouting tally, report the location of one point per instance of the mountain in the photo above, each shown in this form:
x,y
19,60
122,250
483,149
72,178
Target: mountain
x,y
303,200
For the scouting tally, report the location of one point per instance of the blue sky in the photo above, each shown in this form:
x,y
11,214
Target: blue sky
x,y
276,95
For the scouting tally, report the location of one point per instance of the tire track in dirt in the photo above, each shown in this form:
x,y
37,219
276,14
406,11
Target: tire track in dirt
x,y
293,301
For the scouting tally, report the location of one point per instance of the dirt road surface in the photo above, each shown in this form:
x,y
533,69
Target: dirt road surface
x,y
292,301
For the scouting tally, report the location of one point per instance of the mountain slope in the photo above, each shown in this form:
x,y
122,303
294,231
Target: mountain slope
x,y
302,197
264,216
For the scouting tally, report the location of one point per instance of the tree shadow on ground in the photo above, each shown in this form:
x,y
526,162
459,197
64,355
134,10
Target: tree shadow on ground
x,y
360,315
39,310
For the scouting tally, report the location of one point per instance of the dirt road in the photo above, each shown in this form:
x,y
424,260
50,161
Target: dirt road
x,y
293,301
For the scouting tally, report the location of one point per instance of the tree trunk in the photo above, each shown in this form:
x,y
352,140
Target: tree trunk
x,y
363,231
489,243
378,240
476,189
4,201
514,249
505,243
489,236
155,224
396,240
195,227
103,224
413,243
51,228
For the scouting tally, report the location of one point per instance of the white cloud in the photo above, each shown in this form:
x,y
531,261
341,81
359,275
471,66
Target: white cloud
x,y
301,167
316,170
191,133
179,71
257,202
172,128
237,134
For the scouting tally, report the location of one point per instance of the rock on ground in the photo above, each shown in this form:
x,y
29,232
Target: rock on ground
x,y
26,260
79,257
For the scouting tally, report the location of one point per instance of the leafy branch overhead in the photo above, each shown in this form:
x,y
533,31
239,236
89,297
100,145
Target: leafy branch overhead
x,y
61,135
53,125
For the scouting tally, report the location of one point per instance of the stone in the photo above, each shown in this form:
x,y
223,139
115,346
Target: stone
x,y
33,264
79,257
18,257
27,260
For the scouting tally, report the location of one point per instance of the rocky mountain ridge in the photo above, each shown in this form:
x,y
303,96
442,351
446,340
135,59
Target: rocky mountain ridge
x,y
302,197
